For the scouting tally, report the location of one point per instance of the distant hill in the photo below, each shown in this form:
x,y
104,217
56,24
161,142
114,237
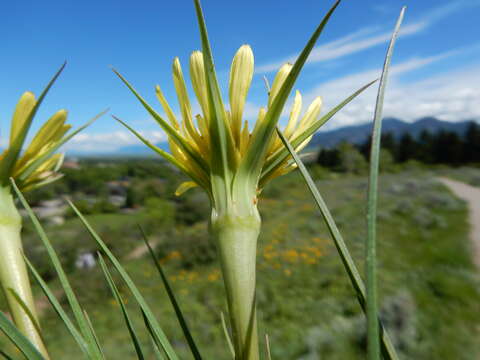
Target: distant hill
x,y
357,134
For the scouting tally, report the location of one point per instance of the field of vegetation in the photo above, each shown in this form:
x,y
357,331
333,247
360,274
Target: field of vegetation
x,y
429,289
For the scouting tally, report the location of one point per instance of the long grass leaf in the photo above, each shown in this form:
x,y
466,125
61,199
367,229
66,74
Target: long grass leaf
x,y
173,300
93,350
18,339
118,298
267,347
387,346
227,335
27,311
58,308
220,132
158,333
5,355
92,329
373,344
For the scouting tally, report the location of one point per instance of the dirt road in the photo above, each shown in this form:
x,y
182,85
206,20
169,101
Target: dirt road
x,y
471,195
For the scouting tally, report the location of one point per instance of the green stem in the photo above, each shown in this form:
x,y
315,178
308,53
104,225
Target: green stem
x,y
236,238
13,272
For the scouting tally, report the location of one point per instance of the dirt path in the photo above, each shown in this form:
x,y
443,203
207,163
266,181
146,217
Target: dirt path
x,y
471,195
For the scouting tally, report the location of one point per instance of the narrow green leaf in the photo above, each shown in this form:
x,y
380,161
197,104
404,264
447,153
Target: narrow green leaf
x,y
267,346
58,308
5,355
35,164
220,133
156,329
118,298
280,155
387,346
155,342
93,350
259,143
20,341
171,132
14,149
28,312
90,326
373,344
173,300
227,335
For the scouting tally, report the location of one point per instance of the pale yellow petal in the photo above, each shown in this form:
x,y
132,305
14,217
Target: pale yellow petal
x,y
241,73
278,81
52,131
184,102
244,138
294,114
166,107
311,115
197,75
185,186
22,111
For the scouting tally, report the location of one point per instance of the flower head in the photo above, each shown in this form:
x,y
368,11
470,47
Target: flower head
x,y
37,164
218,149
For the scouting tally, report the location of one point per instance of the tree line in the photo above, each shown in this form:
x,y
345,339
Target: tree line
x,y
441,147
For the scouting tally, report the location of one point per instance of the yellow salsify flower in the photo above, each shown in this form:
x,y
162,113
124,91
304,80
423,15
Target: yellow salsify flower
x,y
232,160
37,165
195,140
196,134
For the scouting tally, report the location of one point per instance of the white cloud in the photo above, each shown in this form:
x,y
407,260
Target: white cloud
x,y
368,37
451,96
108,142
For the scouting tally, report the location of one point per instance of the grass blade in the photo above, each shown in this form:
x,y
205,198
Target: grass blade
x,y
267,346
157,332
20,341
388,350
119,299
5,355
227,335
58,308
90,326
93,350
173,300
373,346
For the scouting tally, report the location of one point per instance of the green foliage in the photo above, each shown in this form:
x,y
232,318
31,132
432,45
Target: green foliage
x,y
351,160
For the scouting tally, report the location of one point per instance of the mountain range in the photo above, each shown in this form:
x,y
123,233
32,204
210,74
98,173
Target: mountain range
x,y
357,134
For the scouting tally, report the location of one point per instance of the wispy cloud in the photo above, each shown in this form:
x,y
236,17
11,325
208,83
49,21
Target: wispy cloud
x,y
369,37
109,142
451,96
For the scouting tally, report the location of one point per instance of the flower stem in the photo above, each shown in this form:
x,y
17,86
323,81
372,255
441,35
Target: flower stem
x,y
13,272
236,239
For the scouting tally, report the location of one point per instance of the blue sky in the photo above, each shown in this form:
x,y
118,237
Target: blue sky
x,y
436,67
